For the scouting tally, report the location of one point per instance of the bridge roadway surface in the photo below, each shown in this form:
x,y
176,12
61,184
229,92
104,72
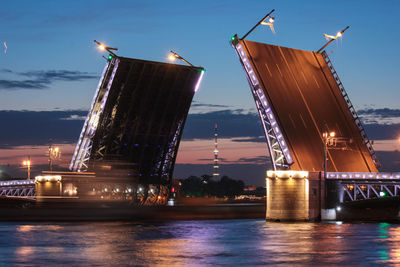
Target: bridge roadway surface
x,y
305,97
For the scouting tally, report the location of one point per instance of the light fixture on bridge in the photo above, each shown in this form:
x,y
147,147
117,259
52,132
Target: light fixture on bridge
x,y
287,174
328,140
173,56
270,23
54,153
332,38
48,178
108,49
261,22
27,163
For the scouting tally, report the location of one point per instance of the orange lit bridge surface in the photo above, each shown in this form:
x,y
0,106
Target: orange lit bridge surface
x,y
299,97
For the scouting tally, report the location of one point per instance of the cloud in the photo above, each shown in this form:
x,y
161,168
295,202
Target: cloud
x,y
259,139
6,70
199,108
245,126
246,160
383,116
211,160
20,128
231,124
208,105
59,75
256,160
42,79
74,117
390,160
25,84
38,127
382,131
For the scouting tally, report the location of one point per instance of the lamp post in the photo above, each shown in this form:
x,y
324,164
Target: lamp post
x,y
27,163
339,34
173,56
271,20
54,153
108,49
328,140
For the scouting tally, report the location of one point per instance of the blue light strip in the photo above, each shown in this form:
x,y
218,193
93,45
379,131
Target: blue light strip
x,y
258,90
363,175
90,126
17,182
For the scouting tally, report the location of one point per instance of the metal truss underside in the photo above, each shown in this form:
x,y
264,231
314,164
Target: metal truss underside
x,y
18,188
18,192
280,155
352,110
143,119
136,120
169,159
363,190
83,148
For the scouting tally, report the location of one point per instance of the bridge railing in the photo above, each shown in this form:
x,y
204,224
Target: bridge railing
x,y
363,175
18,188
17,182
355,186
363,190
352,110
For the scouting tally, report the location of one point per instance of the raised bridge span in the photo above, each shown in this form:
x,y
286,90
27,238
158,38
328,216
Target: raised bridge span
x,y
299,96
300,99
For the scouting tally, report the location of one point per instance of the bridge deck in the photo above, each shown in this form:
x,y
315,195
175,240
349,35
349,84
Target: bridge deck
x,y
305,97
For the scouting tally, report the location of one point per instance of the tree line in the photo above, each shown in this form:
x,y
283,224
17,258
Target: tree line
x,y
203,186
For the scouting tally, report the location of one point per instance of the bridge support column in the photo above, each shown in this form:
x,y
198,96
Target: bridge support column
x,y
295,196
49,186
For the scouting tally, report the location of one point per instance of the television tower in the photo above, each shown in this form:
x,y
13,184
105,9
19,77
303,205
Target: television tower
x,y
216,167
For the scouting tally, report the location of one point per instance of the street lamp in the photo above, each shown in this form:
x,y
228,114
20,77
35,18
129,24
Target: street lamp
x,y
108,49
329,139
332,38
261,22
270,23
27,163
54,153
173,56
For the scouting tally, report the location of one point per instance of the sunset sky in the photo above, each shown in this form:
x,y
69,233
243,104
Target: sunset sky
x,y
50,70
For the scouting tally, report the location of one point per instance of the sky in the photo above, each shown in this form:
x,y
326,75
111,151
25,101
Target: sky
x,y
50,70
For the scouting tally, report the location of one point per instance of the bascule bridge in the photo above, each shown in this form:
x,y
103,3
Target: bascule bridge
x,y
320,152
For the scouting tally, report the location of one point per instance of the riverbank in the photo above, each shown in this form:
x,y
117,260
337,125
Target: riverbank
x,y
18,210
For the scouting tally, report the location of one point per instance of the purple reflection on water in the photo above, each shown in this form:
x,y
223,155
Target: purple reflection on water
x,y
226,242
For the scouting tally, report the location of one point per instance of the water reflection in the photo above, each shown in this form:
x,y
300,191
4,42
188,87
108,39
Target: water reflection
x,y
183,243
393,252
24,251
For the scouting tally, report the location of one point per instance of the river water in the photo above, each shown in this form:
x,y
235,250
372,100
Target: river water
x,y
199,243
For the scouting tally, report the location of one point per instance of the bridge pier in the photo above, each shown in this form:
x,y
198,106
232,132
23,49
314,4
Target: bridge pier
x,y
307,196
299,196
